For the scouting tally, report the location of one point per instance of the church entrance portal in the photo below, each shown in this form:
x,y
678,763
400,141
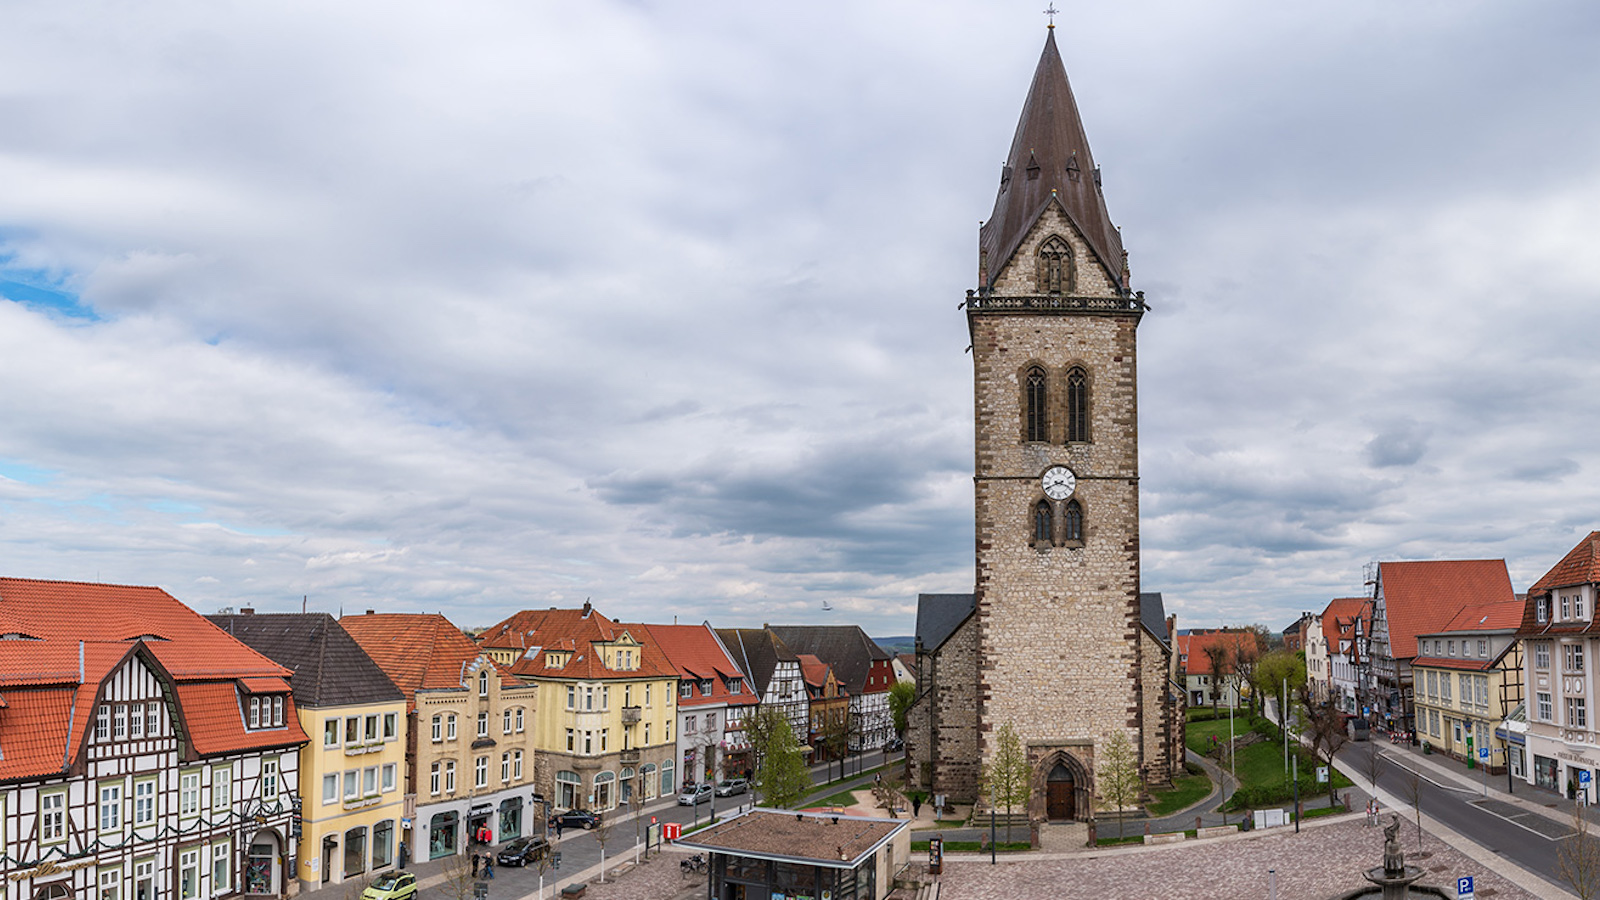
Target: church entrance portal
x,y
1059,793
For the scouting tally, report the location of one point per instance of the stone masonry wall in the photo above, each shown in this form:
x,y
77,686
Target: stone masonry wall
x,y
1158,723
942,728
1059,626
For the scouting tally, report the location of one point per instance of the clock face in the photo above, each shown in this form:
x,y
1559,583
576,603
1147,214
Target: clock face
x,y
1058,482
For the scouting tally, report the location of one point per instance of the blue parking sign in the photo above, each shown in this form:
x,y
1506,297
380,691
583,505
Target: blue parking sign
x,y
1464,887
1483,752
1583,776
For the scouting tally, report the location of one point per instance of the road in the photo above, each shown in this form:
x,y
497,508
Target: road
x,y
581,849
1528,839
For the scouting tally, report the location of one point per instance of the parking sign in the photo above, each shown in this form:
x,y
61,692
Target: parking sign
x,y
1483,752
1464,888
1583,776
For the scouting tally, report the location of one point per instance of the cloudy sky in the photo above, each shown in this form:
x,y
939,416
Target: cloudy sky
x,y
479,306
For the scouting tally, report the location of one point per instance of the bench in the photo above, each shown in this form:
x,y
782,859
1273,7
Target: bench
x,y
573,891
1216,830
1171,837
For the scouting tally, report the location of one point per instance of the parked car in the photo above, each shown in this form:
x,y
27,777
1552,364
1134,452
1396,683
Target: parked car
x,y
522,851
576,818
392,886
731,786
694,793
894,745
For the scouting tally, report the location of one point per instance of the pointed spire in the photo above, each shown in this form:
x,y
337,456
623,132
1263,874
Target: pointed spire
x,y
1048,157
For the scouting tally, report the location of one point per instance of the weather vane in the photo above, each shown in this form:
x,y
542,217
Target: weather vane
x,y
1051,12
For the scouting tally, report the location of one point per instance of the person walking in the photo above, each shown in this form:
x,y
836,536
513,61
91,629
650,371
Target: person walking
x,y
916,805
474,865
488,866
558,829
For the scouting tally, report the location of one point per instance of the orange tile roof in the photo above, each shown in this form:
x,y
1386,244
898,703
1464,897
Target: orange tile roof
x,y
418,651
1581,565
697,653
1419,597
1197,662
1444,662
575,631
87,631
1340,615
1485,617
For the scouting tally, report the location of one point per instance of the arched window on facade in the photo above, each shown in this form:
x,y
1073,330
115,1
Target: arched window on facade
x,y
1043,522
1077,406
1072,522
1056,272
1037,413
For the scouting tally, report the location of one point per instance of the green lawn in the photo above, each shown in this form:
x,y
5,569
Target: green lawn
x,y
1262,781
843,798
972,846
1186,791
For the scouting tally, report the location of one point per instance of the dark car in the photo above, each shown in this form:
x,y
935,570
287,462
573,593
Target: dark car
x,y
894,745
575,818
730,786
523,851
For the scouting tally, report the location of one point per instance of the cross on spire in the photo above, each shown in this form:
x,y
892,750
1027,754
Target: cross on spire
x,y
1051,11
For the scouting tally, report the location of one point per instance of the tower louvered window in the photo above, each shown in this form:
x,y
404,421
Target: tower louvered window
x,y
1042,522
1037,413
1056,273
1077,406
1072,522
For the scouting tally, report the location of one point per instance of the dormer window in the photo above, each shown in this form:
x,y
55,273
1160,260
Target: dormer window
x,y
266,711
1566,607
1577,606
483,683
1541,609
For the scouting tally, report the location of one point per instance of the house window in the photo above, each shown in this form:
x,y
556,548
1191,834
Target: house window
x,y
605,697
572,740
152,719
1541,609
450,775
352,730
588,698
689,723
483,724
480,771
450,727
1544,706
647,734
505,722
119,722
588,743
221,867
391,726
277,711
1574,654
1452,646
433,780
516,764
352,785
572,697
1038,417
1444,688
685,690
519,720
1577,713
389,771
647,695
144,802
483,683
110,807
1055,263
189,794
1042,525
330,732
369,781
255,712
505,767
110,884
1483,649
1541,654
189,874
1577,606
52,817
605,734
1072,522
330,788
144,879
372,729
221,789
438,729
1566,607
735,685
1077,406
102,723
269,779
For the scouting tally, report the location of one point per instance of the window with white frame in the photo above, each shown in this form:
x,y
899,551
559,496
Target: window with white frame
x,y
391,726
369,781
1577,606
119,721
330,788
111,807
519,720
102,723
685,689
221,867
505,767
1545,713
1541,609
189,794
1577,713
352,785
516,764
450,776
1566,606
53,817
572,696
330,732
370,729
136,721
438,729
1541,654
450,727
152,719
483,724
189,874
483,683
1444,688
110,884
1483,649
388,778
269,779
433,780
352,730
144,802
221,789
505,721
1574,657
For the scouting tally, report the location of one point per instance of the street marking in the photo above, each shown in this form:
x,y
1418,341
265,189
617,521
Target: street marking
x,y
1543,827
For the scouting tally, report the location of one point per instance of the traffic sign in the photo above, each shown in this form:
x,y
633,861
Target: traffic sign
x,y
671,830
1322,774
1584,776
1464,888
1483,752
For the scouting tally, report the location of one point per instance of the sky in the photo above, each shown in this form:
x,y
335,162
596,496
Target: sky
x,y
484,306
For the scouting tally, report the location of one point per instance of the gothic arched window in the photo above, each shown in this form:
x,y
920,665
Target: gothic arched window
x,y
1072,522
1043,522
1077,406
1038,418
1056,272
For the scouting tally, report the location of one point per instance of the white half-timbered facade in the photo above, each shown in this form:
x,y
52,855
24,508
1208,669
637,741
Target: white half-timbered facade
x,y
120,780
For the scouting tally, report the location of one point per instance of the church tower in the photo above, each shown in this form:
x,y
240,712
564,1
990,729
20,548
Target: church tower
x,y
1054,350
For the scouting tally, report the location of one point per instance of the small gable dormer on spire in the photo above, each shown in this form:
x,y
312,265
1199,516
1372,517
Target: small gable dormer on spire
x,y
1052,151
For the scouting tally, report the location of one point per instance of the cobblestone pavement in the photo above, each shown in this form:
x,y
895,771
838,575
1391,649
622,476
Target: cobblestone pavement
x,y
1323,861
659,879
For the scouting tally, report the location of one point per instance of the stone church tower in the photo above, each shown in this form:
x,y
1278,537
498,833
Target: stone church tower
x,y
1056,640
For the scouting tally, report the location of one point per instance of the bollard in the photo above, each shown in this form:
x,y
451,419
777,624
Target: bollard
x,y
1272,884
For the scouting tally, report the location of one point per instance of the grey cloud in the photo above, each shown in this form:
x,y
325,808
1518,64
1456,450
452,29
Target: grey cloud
x,y
1400,444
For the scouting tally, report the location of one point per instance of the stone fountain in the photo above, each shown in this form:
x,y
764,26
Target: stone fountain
x,y
1394,879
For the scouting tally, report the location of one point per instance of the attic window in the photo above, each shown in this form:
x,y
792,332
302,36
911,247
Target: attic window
x,y
1005,178
1073,172
266,711
1033,168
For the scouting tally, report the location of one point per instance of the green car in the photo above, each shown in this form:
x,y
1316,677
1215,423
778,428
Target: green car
x,y
392,886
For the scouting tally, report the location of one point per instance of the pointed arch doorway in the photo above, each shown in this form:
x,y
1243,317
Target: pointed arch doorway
x,y
1060,794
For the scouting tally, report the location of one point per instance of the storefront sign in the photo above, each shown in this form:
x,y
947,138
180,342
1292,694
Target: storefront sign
x,y
50,867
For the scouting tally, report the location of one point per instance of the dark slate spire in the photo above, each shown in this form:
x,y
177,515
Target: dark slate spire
x,y
1049,158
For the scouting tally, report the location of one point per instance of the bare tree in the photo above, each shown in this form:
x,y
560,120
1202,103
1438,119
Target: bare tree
x,y
602,833
1412,782
458,877
1325,728
1578,858
1374,766
1220,659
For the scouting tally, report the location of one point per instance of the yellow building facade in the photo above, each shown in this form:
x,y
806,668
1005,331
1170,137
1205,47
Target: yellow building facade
x,y
1467,677
352,790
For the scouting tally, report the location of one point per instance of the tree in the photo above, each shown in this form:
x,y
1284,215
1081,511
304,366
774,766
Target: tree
x,y
1007,778
1273,670
902,694
761,730
1412,781
458,876
835,737
1325,727
1118,776
1248,647
1374,766
1220,658
602,833
782,778
1578,858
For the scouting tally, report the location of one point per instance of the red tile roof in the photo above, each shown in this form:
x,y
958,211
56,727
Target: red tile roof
x,y
1419,597
1340,616
697,654
577,631
1197,662
1485,617
418,651
1581,565
1444,662
87,632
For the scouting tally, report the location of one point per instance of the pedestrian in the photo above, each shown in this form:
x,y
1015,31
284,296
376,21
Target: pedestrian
x,y
558,829
474,865
916,805
488,865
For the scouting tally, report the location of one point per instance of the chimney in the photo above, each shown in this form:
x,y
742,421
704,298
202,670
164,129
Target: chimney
x,y
371,611
247,611
586,608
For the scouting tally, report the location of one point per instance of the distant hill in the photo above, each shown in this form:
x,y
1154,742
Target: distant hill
x,y
904,643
